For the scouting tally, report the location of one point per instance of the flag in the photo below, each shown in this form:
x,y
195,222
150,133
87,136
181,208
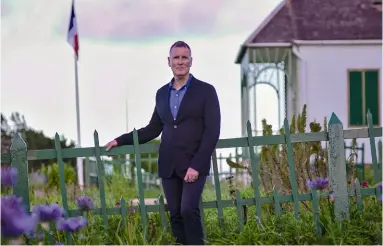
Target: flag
x,y
73,32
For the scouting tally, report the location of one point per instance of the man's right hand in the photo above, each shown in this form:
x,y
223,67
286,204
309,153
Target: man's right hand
x,y
110,145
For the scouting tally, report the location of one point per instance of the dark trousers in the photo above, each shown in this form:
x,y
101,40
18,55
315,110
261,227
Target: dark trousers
x,y
183,202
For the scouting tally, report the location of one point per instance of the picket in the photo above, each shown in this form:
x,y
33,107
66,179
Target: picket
x,y
161,209
101,175
254,171
277,204
137,156
358,195
217,188
374,158
315,203
238,204
337,167
124,212
63,191
19,161
290,161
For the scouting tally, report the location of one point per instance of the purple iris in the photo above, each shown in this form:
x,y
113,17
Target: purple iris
x,y
8,176
48,212
84,203
71,224
15,220
318,184
38,179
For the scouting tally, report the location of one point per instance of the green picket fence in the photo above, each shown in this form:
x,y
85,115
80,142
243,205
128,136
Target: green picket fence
x,y
19,156
150,178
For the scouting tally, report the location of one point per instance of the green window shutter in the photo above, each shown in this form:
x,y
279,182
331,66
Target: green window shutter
x,y
355,111
371,90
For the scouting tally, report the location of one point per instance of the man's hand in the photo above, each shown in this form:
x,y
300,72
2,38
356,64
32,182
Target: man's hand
x,y
191,175
110,145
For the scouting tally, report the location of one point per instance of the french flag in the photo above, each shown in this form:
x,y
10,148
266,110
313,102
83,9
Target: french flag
x,y
73,32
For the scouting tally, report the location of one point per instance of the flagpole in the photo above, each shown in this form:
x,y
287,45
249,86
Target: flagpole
x,y
127,156
80,167
126,116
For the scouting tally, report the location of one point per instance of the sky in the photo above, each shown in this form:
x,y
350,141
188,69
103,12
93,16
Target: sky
x,y
123,58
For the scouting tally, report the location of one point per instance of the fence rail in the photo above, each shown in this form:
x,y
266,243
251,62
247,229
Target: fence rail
x,y
19,156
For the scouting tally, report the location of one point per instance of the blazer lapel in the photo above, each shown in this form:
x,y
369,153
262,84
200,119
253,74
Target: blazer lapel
x,y
166,97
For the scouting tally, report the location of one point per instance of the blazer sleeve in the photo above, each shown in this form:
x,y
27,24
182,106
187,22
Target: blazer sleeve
x,y
212,124
145,134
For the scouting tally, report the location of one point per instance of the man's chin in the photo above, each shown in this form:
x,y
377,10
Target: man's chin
x,y
181,74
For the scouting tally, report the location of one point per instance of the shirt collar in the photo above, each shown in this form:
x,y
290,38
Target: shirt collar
x,y
185,86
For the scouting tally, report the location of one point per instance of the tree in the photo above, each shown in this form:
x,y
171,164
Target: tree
x,y
35,140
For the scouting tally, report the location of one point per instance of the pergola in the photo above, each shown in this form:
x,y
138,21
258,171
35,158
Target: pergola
x,y
269,60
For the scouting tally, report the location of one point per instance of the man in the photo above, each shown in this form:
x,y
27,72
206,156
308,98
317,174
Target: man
x,y
187,112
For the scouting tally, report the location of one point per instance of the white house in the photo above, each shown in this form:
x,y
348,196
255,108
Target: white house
x,y
331,55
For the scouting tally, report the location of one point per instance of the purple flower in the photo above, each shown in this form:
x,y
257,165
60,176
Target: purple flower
x,y
313,169
332,196
59,243
84,203
8,176
38,179
40,236
15,220
71,224
48,212
318,184
39,193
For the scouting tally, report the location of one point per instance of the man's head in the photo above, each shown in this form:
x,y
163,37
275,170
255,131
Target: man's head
x,y
180,59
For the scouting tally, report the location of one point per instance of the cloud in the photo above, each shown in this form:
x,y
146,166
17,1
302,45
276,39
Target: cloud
x,y
144,19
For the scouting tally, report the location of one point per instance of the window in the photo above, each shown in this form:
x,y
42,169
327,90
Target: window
x,y
363,94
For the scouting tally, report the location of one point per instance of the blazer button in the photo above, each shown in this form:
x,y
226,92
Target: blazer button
x,y
175,126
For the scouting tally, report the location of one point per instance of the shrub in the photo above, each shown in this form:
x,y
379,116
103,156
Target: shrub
x,y
310,158
52,174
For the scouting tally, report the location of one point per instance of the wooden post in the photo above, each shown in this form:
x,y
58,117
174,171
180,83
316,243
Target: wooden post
x,y
337,168
19,160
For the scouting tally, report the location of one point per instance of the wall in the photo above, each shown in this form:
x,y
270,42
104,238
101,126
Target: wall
x,y
322,79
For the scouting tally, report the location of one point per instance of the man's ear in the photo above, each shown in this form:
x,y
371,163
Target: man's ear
x,y
169,62
191,61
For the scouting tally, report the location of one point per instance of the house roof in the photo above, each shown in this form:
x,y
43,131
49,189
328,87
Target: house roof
x,y
311,20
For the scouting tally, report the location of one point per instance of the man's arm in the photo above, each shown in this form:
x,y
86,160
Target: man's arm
x,y
145,134
212,122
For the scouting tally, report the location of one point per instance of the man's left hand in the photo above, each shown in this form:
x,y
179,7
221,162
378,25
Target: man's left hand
x,y
191,175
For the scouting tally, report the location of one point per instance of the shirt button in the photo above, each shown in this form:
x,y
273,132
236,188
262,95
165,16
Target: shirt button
x,y
177,95
175,126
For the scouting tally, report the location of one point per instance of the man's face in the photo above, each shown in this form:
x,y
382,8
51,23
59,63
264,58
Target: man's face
x,y
180,61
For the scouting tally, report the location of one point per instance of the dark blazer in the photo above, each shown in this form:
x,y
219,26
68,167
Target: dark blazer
x,y
188,141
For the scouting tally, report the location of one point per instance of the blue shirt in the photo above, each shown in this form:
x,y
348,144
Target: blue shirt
x,y
176,97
